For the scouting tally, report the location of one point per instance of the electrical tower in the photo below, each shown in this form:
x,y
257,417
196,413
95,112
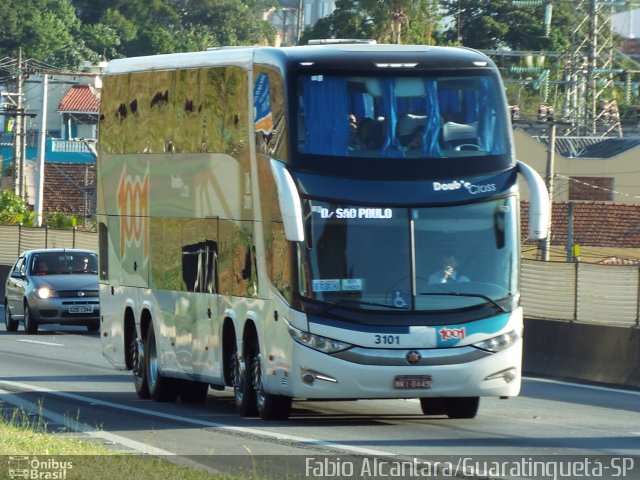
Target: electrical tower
x,y
591,71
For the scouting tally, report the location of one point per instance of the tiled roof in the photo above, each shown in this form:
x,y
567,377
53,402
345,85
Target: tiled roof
x,y
595,224
593,147
619,261
65,190
80,99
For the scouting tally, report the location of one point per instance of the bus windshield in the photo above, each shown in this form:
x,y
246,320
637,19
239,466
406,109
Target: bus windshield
x,y
375,116
423,259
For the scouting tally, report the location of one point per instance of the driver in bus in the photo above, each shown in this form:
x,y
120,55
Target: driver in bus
x,y
448,272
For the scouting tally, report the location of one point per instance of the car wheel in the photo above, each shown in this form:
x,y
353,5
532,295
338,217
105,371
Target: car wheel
x,y
30,324
161,388
270,407
10,324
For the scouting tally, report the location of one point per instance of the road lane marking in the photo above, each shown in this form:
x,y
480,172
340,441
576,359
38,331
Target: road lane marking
x,y
51,344
582,385
202,423
76,426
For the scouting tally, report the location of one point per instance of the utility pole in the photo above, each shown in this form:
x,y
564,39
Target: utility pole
x,y
18,132
299,22
550,174
41,152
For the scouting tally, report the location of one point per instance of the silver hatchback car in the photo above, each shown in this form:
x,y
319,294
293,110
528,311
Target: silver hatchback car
x,y
53,286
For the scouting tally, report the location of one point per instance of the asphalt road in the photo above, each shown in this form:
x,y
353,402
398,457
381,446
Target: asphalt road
x,y
61,374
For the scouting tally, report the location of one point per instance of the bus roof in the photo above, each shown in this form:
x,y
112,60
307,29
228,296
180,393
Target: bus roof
x,y
331,56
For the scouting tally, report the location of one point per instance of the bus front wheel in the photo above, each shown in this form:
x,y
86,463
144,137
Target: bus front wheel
x,y
452,407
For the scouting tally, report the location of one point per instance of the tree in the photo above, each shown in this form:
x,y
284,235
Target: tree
x,y
386,21
496,24
47,30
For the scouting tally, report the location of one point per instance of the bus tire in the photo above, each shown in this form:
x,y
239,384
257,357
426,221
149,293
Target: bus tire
x,y
139,368
270,407
433,405
462,407
243,392
161,388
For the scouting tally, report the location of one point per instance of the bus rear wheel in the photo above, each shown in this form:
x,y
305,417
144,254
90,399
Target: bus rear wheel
x,y
243,392
270,407
161,388
138,367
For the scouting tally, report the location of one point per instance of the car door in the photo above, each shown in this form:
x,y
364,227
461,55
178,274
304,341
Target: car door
x,y
15,288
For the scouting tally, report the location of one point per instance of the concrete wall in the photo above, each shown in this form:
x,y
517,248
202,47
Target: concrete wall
x,y
593,353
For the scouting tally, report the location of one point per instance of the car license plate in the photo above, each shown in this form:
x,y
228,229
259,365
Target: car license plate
x,y
81,309
412,381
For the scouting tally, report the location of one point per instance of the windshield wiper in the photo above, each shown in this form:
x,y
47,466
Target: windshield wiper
x,y
473,295
346,301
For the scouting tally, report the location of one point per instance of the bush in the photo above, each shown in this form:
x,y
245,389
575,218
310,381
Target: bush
x,y
13,209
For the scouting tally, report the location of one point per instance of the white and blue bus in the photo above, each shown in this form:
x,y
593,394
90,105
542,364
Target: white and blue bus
x,y
314,222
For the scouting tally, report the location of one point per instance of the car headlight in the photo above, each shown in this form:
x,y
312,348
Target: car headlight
x,y
46,292
317,342
498,343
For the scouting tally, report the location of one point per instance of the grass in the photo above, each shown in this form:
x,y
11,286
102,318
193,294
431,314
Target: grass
x,y
25,442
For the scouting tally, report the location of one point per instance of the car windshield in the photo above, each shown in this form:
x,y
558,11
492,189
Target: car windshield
x,y
430,117
64,263
426,259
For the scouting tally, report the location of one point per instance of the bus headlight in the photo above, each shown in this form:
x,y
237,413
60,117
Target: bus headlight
x,y
498,343
317,342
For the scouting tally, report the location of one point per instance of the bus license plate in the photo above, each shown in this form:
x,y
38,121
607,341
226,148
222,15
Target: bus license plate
x,y
81,309
412,381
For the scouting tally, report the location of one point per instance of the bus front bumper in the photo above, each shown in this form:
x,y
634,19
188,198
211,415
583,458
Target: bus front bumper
x,y
452,372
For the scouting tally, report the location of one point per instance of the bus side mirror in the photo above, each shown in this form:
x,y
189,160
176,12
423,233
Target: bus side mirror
x,y
539,207
290,205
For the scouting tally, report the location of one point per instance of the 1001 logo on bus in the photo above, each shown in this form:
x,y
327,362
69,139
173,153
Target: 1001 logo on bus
x,y
452,334
133,207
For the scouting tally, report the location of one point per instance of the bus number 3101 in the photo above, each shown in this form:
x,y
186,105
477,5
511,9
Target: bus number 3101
x,y
387,339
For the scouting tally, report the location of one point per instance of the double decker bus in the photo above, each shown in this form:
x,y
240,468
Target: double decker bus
x,y
273,221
